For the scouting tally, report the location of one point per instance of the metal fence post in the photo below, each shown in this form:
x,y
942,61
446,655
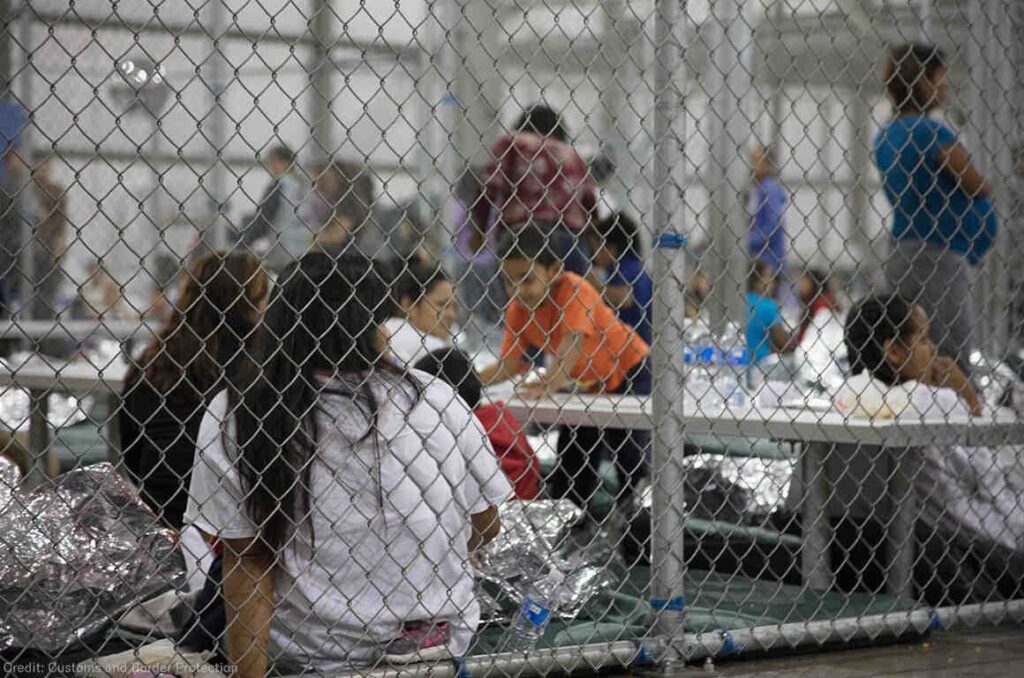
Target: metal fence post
x,y
668,506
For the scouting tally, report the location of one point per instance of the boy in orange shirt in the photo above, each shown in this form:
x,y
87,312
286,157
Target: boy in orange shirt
x,y
564,316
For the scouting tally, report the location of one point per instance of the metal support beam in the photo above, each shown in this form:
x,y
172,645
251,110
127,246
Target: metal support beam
x,y
321,80
217,67
668,507
729,79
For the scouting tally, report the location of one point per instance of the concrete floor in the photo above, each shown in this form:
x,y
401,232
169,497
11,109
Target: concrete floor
x,y
986,653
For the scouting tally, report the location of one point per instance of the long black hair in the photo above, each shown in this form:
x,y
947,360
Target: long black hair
x,y
872,323
320,336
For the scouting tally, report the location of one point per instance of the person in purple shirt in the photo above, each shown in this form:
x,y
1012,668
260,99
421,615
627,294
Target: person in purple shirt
x,y
768,200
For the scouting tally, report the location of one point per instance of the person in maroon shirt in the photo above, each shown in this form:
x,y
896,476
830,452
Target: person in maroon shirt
x,y
534,175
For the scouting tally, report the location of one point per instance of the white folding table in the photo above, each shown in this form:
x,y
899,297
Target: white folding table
x,y
817,432
41,376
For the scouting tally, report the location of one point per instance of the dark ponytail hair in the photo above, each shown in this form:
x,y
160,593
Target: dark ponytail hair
x,y
320,337
872,323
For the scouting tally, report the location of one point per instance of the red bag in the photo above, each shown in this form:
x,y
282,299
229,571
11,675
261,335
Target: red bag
x,y
516,457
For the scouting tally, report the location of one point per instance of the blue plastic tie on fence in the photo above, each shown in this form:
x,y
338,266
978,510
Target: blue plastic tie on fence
x,y
934,621
676,604
643,656
461,671
729,645
671,241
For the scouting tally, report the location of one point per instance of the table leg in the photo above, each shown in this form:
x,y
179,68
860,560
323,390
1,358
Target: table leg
x,y
114,430
38,438
814,555
900,537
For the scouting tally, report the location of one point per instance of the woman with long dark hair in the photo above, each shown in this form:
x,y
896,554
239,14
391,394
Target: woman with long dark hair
x,y
169,386
348,494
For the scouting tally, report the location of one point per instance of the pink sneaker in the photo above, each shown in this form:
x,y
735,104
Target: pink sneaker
x,y
421,641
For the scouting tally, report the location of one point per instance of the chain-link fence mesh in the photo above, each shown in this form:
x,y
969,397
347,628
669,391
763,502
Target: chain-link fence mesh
x,y
504,337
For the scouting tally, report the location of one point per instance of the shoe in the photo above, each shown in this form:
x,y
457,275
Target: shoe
x,y
421,641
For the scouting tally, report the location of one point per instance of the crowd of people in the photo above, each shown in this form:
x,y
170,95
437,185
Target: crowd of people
x,y
305,407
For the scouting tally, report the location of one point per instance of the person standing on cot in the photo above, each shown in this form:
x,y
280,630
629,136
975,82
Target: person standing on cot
x,y
943,219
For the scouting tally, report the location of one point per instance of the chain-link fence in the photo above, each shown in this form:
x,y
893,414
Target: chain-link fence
x,y
504,337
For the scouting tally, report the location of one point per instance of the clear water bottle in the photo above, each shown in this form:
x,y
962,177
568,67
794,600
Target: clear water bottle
x,y
707,387
534,613
734,377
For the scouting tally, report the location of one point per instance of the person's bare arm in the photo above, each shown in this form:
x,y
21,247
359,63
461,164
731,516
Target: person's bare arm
x,y
955,160
618,296
784,342
945,373
486,526
249,603
566,355
503,370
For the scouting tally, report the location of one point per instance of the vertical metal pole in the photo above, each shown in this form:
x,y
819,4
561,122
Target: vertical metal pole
x,y
38,438
729,79
999,128
321,80
926,13
815,563
668,507
6,75
26,150
450,55
900,538
870,259
218,83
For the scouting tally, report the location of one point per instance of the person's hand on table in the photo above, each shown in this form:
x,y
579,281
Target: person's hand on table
x,y
535,390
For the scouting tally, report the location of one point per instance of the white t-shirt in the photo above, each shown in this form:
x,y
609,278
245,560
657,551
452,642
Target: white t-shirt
x,y
409,345
387,551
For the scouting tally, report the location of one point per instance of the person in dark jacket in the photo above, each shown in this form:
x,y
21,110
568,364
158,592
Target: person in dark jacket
x,y
169,386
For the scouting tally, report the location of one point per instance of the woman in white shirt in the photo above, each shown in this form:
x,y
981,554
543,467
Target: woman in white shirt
x,y
429,309
348,495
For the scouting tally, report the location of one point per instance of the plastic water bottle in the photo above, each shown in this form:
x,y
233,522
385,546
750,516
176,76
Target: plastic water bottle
x,y
534,613
734,378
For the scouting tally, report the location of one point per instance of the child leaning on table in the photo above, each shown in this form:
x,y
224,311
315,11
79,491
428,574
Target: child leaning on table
x,y
564,316
969,514
887,338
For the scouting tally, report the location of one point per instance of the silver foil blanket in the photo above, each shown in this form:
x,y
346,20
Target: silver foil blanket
x,y
74,554
739,490
535,537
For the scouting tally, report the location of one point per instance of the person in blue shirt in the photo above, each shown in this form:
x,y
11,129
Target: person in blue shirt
x,y
627,288
765,329
767,238
943,218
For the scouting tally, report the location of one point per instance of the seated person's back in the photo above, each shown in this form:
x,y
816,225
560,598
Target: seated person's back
x,y
363,528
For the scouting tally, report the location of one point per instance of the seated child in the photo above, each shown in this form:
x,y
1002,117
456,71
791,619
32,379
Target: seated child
x,y
967,496
348,494
615,242
516,457
814,291
766,331
426,301
564,316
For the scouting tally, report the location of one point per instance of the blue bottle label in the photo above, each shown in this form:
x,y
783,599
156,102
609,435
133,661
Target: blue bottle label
x,y
534,612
